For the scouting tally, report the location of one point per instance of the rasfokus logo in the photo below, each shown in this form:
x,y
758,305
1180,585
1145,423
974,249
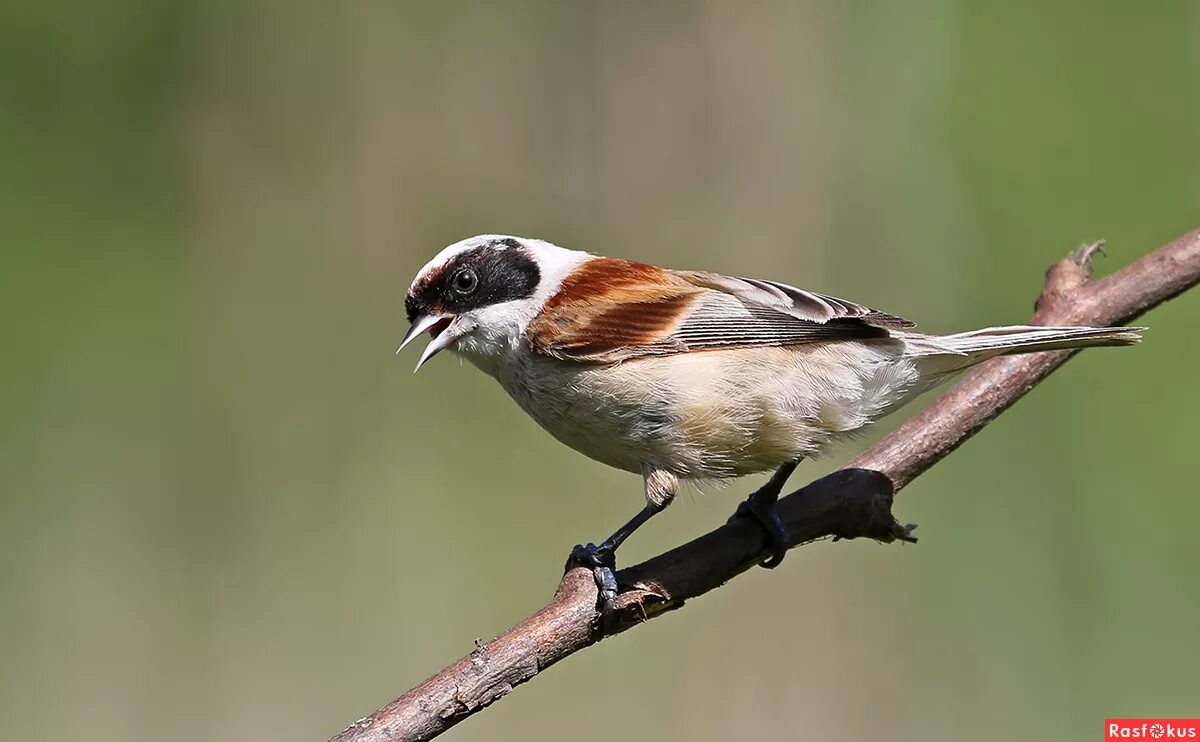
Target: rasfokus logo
x,y
1118,729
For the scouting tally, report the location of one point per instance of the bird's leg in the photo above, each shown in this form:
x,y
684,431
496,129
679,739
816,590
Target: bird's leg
x,y
602,558
761,505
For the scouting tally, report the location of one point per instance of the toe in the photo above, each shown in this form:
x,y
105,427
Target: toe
x,y
606,581
776,558
592,557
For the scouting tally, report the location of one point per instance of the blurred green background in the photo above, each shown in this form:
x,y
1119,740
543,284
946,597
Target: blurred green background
x,y
227,512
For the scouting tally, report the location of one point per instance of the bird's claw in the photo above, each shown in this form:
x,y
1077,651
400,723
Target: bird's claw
x,y
603,563
767,515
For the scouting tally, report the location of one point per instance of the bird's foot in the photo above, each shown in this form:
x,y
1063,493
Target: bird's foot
x,y
603,563
765,510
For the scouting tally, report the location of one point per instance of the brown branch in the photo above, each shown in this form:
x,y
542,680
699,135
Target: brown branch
x,y
850,503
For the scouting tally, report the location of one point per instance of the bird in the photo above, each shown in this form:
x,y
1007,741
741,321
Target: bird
x,y
688,376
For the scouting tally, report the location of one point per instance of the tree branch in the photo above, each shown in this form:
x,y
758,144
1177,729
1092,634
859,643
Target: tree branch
x,y
852,502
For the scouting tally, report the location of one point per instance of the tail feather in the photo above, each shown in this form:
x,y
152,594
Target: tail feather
x,y
979,345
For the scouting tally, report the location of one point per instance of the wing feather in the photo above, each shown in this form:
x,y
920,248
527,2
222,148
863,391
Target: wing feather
x,y
799,303
612,310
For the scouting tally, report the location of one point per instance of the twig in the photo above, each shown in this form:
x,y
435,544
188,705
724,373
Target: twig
x,y
853,502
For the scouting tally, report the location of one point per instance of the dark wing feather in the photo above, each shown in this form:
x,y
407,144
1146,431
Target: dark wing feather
x,y
799,303
720,320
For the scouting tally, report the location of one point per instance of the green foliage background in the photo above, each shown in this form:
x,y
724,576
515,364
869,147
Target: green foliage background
x,y
227,512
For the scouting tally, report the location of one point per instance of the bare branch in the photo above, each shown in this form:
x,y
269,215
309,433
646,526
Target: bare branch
x,y
850,503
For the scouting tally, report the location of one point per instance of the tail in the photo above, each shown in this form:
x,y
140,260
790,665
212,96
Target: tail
x,y
956,352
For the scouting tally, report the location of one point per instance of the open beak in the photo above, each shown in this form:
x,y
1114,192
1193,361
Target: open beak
x,y
437,325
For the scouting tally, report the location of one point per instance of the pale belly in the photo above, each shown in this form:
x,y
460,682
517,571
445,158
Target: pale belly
x,y
715,414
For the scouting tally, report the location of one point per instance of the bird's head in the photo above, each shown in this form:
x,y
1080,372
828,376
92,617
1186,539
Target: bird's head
x,y
476,296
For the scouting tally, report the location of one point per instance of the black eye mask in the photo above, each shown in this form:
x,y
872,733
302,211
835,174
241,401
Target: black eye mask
x,y
503,271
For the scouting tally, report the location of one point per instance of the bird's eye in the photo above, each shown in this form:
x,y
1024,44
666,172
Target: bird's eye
x,y
465,281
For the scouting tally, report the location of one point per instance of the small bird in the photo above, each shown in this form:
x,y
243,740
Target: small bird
x,y
687,375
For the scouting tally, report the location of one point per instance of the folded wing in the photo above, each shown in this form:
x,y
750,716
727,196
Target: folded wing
x,y
612,310
801,304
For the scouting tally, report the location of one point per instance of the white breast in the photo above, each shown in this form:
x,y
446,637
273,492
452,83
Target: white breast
x,y
715,414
